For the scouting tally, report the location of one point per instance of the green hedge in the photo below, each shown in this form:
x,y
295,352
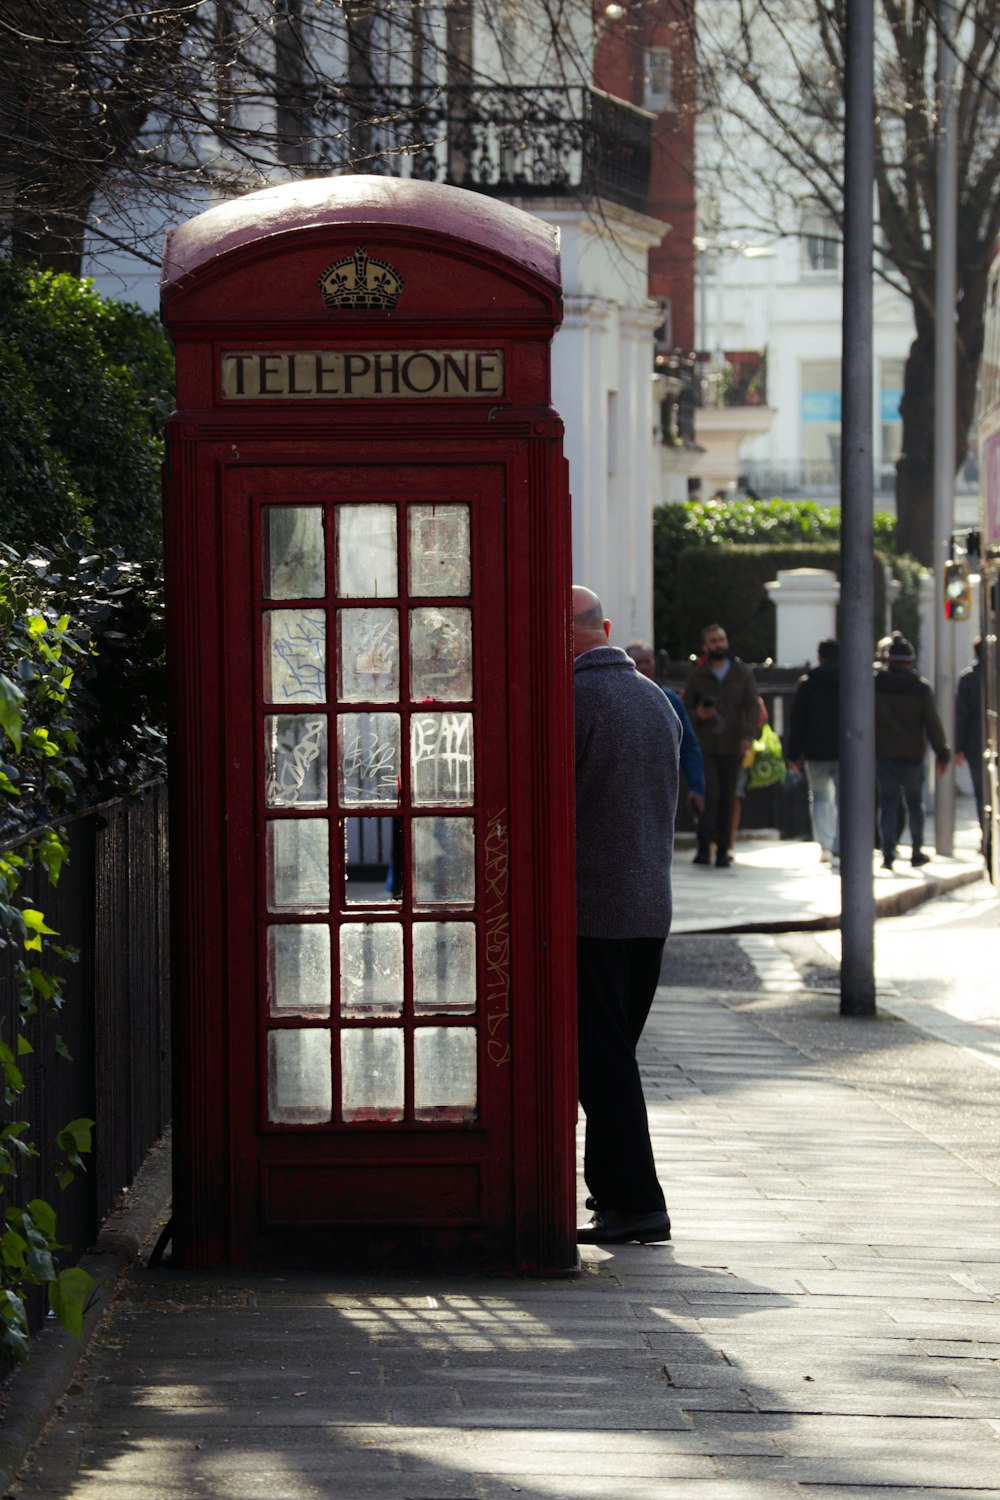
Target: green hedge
x,y
92,723
728,585
693,585
85,385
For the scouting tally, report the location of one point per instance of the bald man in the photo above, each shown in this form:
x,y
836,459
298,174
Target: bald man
x,y
627,750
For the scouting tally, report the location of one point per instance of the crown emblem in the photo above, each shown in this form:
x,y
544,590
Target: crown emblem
x,y
359,282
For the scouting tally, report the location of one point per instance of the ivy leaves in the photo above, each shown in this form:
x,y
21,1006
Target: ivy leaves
x,y
82,698
41,652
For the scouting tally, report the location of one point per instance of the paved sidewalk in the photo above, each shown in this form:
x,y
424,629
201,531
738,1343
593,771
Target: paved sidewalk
x,y
780,885
825,1324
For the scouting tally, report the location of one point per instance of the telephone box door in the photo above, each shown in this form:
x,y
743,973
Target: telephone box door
x,y
368,913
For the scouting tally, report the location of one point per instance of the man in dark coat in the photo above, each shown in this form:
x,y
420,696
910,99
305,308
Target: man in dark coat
x,y
969,727
906,719
627,750
813,741
722,699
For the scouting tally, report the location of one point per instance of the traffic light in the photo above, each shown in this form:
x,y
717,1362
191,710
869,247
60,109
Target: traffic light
x,y
957,590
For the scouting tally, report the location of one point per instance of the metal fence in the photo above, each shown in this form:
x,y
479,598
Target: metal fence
x,y
111,903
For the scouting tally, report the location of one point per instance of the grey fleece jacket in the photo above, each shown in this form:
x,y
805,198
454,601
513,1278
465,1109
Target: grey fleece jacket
x,y
627,747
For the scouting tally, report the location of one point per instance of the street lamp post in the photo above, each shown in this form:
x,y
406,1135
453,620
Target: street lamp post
x,y
945,236
857,573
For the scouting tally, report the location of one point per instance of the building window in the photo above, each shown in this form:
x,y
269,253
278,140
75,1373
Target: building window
x,y
658,92
890,421
509,37
819,421
820,242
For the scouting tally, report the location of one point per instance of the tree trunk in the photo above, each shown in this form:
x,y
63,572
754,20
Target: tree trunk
x,y
915,465
53,239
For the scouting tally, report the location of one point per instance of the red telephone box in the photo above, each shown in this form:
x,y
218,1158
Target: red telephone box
x,y
368,572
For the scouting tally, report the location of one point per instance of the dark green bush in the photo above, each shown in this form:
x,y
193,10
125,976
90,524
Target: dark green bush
x,y
109,714
36,483
727,585
710,527
90,382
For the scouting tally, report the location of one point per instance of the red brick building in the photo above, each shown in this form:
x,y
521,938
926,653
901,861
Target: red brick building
x,y
645,53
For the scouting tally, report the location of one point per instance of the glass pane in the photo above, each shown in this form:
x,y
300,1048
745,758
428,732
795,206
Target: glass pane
x,y
294,655
440,554
368,757
298,970
372,1064
368,656
441,760
295,760
298,865
444,966
373,859
444,1073
299,1077
440,654
371,969
366,552
294,562
443,863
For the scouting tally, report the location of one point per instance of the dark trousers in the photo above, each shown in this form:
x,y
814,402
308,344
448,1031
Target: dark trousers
x,y
895,777
721,775
616,981
976,772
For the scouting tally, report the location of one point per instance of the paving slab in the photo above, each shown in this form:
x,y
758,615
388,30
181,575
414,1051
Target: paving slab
x,y
826,1321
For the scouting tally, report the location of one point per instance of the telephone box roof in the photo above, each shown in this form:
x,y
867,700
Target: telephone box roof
x,y
472,218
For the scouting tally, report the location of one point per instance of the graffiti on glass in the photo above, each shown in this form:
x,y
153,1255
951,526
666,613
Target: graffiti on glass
x,y
441,757
292,769
371,764
497,921
299,655
377,656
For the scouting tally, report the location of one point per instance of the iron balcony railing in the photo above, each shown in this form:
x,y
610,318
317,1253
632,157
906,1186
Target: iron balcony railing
x,y
498,139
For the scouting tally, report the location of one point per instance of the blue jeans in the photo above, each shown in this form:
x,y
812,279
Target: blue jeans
x,y
894,777
823,777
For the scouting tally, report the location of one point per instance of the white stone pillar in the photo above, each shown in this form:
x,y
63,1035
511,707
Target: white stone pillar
x,y
579,388
639,430
928,627
805,601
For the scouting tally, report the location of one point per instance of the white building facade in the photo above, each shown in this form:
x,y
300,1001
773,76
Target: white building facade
x,y
783,297
602,357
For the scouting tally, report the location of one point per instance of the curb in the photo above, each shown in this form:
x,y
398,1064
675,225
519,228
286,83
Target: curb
x,y
34,1389
894,905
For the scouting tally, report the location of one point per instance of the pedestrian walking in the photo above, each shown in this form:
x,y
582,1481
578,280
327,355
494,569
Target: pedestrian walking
x,y
627,754
906,721
722,700
692,761
814,745
969,729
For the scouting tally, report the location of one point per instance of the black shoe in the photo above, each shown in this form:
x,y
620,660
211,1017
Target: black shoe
x,y
591,1204
702,858
613,1228
887,862
722,861
919,858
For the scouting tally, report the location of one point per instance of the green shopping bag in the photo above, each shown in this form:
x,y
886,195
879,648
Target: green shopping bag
x,y
768,762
